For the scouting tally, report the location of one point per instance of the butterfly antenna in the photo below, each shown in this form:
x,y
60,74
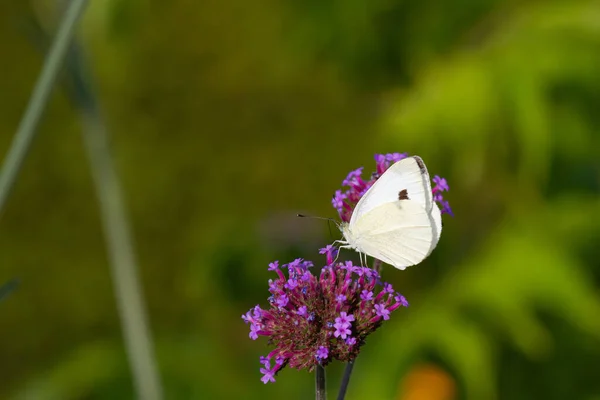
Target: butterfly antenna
x,y
329,221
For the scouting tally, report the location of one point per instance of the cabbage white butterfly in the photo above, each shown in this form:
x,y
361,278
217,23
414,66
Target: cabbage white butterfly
x,y
396,220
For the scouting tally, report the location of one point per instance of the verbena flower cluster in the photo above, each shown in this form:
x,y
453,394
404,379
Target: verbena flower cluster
x,y
344,201
316,318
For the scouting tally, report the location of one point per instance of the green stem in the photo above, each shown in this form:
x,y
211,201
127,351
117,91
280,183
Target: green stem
x,y
39,98
123,263
320,387
116,228
345,380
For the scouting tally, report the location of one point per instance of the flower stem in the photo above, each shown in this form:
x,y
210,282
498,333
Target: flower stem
x,y
320,391
345,380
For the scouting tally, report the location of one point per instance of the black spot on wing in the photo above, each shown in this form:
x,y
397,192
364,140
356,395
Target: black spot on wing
x,y
403,195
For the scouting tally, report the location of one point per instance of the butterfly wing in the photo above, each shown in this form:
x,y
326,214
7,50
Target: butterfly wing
x,y
400,233
408,174
435,217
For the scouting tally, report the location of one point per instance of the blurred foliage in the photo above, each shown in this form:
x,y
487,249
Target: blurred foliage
x,y
229,117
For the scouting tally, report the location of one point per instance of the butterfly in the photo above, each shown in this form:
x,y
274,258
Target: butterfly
x,y
396,220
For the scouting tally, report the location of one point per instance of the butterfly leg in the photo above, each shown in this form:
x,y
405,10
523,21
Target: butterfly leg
x,y
342,242
344,245
340,248
336,257
364,261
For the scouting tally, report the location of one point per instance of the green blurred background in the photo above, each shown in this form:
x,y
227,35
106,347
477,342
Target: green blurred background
x,y
229,117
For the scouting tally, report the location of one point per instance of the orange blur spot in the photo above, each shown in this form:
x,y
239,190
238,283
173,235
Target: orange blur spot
x,y
427,382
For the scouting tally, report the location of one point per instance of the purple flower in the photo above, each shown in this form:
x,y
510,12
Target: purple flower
x,y
446,208
315,318
382,311
330,251
401,300
441,184
353,177
291,284
254,329
342,325
282,300
247,317
306,276
273,266
268,375
368,273
322,353
366,295
265,361
338,200
395,157
342,330
344,318
387,288
348,266
295,264
252,315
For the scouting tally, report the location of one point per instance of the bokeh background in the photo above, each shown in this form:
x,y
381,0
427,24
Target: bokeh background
x,y
229,117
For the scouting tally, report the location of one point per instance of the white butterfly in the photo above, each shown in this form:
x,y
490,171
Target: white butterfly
x,y
396,220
